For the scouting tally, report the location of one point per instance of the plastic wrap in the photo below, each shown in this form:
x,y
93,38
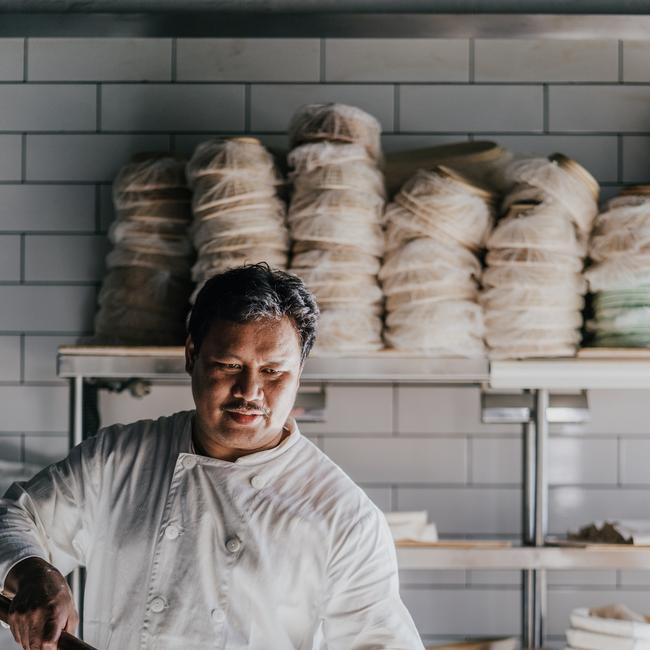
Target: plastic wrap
x,y
538,228
533,257
356,293
637,297
366,236
358,177
151,174
576,194
208,233
518,338
430,204
209,265
460,314
523,297
533,350
549,319
425,253
440,343
423,279
231,194
429,294
120,258
218,157
348,330
155,211
335,123
154,244
502,276
621,272
628,201
325,203
344,258
621,320
230,243
121,230
313,156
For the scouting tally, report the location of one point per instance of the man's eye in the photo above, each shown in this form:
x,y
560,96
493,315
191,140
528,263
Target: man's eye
x,y
272,371
229,366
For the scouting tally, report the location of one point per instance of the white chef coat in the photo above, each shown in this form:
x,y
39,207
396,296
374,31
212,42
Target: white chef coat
x,y
278,550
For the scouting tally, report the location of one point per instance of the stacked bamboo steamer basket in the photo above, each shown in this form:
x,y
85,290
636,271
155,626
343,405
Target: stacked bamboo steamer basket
x,y
238,217
144,296
335,222
533,287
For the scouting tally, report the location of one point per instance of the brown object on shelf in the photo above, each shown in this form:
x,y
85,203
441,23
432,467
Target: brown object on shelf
x,y
66,641
490,643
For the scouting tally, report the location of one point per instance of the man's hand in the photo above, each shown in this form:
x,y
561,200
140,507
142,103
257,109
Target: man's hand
x,y
42,607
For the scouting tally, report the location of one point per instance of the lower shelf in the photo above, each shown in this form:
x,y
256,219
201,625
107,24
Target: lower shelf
x,y
553,558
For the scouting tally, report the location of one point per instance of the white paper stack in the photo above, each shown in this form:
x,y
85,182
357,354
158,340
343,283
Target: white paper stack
x,y
435,227
335,222
533,289
620,272
609,628
144,296
238,217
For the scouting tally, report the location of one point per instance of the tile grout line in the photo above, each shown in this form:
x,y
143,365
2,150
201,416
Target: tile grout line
x,y
472,61
396,108
22,358
25,59
545,109
98,113
322,64
174,64
621,62
247,108
620,168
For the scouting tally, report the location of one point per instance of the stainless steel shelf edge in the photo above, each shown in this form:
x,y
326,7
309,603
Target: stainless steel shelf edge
x,y
570,374
379,368
325,25
523,558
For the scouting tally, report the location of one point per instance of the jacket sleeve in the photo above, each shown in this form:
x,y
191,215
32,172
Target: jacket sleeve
x,y
49,516
363,609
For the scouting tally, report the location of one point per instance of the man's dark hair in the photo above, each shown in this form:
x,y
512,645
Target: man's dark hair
x,y
253,292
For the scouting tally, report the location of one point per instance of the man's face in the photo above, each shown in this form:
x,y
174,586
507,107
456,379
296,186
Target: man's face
x,y
244,381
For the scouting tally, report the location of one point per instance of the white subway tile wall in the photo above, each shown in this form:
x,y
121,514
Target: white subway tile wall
x,y
74,110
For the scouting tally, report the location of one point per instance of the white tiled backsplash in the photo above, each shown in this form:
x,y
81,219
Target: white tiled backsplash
x,y
74,110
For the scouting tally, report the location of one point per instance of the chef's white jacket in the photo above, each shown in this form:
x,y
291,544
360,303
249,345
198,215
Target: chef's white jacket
x,y
278,550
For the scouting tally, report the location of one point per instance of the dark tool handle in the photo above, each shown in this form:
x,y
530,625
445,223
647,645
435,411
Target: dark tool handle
x,y
66,641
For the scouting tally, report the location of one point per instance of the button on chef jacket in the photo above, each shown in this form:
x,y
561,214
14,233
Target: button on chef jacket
x,y
275,551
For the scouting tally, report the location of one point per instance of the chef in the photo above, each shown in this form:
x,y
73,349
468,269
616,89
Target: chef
x,y
221,527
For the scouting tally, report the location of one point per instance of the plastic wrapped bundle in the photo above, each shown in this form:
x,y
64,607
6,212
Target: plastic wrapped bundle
x,y
430,273
335,222
563,180
533,291
238,217
620,273
144,296
336,123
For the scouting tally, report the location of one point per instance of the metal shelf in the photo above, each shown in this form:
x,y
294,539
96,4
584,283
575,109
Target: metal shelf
x,y
169,364
588,371
527,558
339,24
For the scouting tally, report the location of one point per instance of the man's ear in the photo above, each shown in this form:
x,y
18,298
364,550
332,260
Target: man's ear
x,y
190,355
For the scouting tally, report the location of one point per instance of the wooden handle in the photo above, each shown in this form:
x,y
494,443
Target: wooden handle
x,y
66,641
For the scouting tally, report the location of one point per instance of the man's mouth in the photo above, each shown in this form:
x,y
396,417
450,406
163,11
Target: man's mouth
x,y
242,416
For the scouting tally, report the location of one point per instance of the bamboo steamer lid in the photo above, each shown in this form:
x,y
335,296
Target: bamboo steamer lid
x,y
471,186
400,166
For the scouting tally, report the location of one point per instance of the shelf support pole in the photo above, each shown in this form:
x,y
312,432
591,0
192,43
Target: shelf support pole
x,y
77,578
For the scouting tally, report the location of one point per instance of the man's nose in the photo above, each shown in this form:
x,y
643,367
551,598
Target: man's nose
x,y
247,386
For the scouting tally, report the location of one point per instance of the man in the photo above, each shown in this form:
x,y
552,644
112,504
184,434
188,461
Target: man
x,y
219,528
